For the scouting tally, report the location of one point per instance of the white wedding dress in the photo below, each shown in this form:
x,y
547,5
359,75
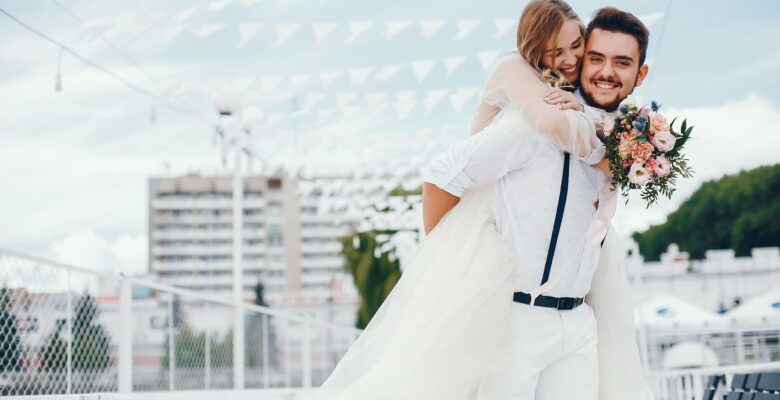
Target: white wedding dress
x,y
443,329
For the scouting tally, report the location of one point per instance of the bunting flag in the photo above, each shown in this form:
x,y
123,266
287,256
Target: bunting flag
x,y
247,32
323,30
503,26
651,19
358,76
487,58
172,31
326,78
184,15
343,99
422,69
393,28
375,99
206,30
461,97
356,29
433,98
219,5
284,32
429,28
453,63
388,73
296,81
466,27
312,99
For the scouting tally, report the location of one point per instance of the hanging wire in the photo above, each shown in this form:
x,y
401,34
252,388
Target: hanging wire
x,y
109,43
112,74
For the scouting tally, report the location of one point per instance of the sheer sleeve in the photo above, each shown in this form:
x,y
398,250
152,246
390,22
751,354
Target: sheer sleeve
x,y
514,83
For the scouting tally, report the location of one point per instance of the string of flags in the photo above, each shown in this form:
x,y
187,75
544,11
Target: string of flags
x,y
318,32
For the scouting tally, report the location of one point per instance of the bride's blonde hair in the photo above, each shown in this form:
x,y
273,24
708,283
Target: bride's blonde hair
x,y
539,26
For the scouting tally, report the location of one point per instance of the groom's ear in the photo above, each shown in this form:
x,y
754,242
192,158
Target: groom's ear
x,y
642,74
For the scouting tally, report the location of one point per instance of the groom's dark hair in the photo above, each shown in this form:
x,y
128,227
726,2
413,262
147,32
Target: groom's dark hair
x,y
613,20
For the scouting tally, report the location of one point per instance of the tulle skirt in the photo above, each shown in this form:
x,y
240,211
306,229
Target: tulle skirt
x,y
443,328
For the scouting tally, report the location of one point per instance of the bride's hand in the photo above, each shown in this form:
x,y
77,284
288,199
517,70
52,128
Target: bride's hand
x,y
563,99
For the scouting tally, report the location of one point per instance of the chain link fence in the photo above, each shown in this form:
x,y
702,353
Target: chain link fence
x,y
69,330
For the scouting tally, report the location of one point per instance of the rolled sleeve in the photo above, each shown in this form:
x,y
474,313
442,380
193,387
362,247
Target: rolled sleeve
x,y
487,155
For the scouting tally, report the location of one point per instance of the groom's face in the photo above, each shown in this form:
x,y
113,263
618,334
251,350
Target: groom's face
x,y
610,68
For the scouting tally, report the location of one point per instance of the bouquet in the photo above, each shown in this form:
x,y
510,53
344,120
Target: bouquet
x,y
645,151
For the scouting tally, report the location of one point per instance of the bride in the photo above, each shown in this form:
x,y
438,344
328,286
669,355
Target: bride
x,y
442,332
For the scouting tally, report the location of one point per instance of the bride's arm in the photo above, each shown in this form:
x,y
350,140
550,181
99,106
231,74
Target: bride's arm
x,y
436,203
514,83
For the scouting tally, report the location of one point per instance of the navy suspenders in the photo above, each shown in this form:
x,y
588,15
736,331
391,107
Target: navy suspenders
x,y
558,217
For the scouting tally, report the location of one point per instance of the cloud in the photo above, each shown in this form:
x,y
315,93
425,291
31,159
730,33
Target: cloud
x,y
126,254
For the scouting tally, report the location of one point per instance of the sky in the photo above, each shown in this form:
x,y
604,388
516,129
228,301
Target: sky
x,y
342,83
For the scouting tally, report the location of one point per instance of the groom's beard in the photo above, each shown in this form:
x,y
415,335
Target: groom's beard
x,y
609,107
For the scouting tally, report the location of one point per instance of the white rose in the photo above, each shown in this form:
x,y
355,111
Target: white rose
x,y
638,174
664,141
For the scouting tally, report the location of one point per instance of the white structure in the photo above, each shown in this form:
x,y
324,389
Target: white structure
x,y
293,230
718,283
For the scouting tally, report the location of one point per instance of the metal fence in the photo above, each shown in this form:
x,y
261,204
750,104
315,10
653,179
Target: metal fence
x,y
66,330
731,346
690,384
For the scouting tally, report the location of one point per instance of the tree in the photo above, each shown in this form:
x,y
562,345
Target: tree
x,y
374,272
91,344
736,212
10,341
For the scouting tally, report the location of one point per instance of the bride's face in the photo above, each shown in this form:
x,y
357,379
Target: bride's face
x,y
566,57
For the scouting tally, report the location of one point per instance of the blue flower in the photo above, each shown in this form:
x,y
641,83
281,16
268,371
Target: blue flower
x,y
655,106
624,109
640,123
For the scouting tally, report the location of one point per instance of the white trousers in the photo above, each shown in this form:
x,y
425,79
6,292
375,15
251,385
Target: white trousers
x,y
553,356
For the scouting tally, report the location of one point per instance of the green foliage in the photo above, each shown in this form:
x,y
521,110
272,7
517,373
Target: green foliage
x,y
739,212
375,275
190,349
400,191
10,341
91,347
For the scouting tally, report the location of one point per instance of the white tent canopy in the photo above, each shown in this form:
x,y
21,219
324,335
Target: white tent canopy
x,y
763,309
690,355
668,311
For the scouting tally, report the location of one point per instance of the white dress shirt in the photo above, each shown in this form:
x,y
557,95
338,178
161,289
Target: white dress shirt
x,y
528,169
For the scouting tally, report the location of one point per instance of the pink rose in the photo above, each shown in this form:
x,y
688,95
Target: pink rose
x,y
650,165
664,141
662,166
645,110
642,152
658,123
638,174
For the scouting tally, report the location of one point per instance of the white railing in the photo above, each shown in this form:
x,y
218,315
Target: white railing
x,y
72,330
689,384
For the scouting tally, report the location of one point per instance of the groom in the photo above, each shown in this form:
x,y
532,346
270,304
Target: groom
x,y
554,336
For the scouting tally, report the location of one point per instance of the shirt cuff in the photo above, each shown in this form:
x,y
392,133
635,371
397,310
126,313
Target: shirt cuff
x,y
596,154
